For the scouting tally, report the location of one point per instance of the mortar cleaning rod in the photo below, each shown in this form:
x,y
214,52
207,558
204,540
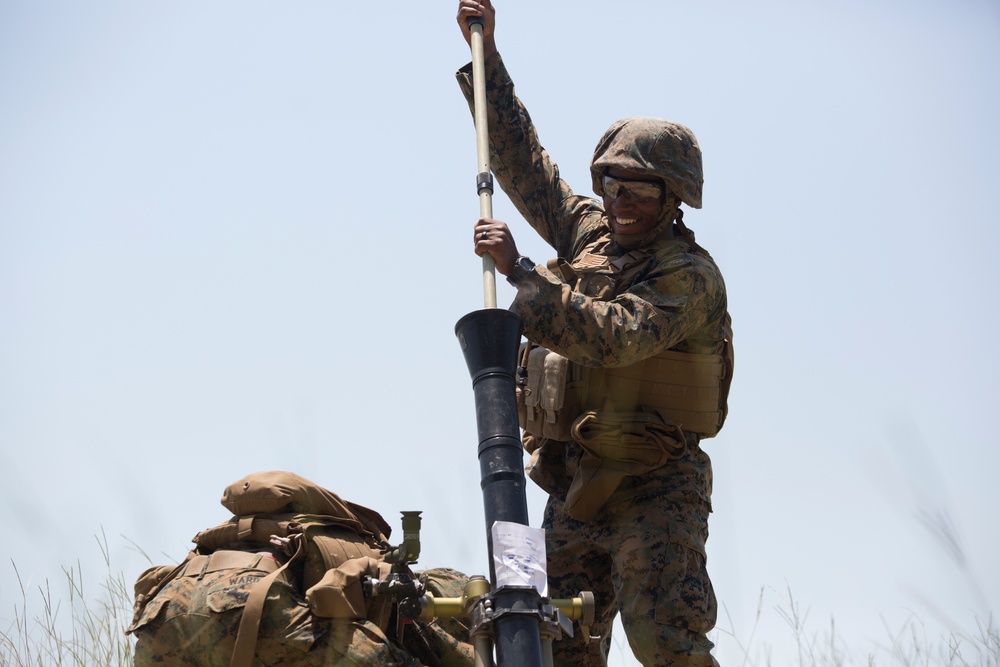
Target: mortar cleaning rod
x,y
484,179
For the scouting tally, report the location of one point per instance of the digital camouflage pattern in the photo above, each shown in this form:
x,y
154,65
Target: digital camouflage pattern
x,y
445,641
677,301
643,554
655,147
243,592
193,622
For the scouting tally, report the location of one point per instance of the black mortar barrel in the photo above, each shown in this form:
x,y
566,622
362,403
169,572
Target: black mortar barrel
x,y
489,340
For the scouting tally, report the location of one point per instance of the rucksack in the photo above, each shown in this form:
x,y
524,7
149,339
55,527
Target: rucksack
x,y
280,504
332,546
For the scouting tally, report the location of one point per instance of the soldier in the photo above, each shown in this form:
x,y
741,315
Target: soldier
x,y
639,311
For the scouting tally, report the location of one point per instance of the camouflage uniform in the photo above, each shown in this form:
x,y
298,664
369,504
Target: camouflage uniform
x,y
643,554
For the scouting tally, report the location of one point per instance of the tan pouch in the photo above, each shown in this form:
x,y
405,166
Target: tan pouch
x,y
277,491
339,594
617,445
547,402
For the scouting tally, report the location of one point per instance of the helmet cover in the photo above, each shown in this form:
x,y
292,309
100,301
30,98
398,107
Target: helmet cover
x,y
655,147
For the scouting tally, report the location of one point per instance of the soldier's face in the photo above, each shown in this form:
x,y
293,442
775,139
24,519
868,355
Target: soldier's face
x,y
626,214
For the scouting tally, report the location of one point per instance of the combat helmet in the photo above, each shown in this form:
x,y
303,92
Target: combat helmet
x,y
660,148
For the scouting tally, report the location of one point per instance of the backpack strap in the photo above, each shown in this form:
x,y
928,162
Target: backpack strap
x,y
253,611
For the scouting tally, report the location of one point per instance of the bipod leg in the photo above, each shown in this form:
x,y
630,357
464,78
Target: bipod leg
x,y
484,652
507,612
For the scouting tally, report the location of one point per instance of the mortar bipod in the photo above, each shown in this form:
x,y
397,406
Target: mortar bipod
x,y
555,617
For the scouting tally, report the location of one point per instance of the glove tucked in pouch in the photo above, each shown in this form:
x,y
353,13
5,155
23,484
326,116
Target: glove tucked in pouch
x,y
617,445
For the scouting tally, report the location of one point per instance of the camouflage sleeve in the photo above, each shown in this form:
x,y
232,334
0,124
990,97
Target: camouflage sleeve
x,y
524,169
680,305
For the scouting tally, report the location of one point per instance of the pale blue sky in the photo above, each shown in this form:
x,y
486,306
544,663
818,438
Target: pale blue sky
x,y
236,237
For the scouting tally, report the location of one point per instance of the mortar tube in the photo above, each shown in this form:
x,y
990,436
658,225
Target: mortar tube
x,y
489,340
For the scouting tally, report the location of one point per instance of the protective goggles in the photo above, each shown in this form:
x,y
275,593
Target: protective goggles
x,y
638,192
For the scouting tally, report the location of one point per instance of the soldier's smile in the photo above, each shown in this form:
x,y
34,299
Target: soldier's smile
x,y
631,210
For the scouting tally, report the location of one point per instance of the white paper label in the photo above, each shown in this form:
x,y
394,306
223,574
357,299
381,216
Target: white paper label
x,y
519,556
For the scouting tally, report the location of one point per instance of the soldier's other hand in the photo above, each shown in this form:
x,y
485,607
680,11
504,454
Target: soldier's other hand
x,y
473,8
494,237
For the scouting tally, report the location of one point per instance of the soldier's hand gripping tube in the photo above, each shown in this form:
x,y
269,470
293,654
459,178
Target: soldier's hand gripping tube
x,y
489,340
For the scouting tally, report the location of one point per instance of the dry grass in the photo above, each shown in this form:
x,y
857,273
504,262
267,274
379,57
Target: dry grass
x,y
78,625
75,626
912,644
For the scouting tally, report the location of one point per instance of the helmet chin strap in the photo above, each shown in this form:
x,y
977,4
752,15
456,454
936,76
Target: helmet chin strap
x,y
667,217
